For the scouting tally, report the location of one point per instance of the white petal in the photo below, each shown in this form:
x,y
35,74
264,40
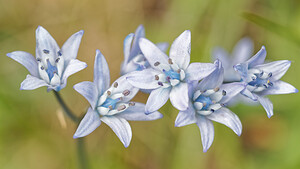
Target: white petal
x,y
267,104
228,118
137,113
277,68
242,50
135,49
163,46
231,89
27,60
248,94
88,124
70,48
74,66
179,96
121,128
207,132
124,85
157,99
153,53
215,79
44,41
89,91
126,48
258,58
32,82
101,73
144,79
55,81
186,117
197,71
219,53
279,87
60,66
181,49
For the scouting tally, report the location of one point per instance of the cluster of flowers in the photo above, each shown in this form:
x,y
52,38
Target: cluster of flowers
x,y
200,91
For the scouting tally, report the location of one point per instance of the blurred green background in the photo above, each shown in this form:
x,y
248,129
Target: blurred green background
x,y
33,134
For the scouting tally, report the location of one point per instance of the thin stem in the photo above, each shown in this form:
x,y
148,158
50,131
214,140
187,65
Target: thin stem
x,y
82,154
65,107
82,157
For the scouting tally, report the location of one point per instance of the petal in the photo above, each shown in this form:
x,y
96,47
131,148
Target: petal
x,y
249,94
157,99
144,79
27,60
89,91
186,117
267,104
277,68
70,48
44,41
258,58
101,73
279,87
137,113
88,124
126,47
135,49
121,128
222,55
181,49
32,82
163,46
207,132
197,71
179,96
228,118
152,53
74,66
124,85
231,89
215,79
242,69
242,50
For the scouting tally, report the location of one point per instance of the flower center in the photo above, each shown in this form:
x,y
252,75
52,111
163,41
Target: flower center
x,y
171,74
207,102
258,80
51,70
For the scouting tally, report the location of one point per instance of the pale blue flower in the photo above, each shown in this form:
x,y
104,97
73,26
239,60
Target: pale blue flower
x,y
242,51
110,104
207,101
133,56
263,79
169,77
52,65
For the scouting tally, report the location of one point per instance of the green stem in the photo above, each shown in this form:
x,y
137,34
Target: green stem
x,y
82,157
65,107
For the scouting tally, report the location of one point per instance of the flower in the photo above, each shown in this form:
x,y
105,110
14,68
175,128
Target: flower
x,y
207,101
52,65
242,51
133,57
110,104
169,77
262,79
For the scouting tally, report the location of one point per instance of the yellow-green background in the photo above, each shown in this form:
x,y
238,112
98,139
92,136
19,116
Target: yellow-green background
x,y
32,137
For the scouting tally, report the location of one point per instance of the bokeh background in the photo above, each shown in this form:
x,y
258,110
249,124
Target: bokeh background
x,y
34,134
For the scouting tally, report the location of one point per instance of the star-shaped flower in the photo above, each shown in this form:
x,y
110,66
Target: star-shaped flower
x,y
52,65
207,101
110,104
133,56
169,76
262,79
242,51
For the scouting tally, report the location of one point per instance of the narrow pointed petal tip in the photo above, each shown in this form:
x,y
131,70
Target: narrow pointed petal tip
x,y
81,32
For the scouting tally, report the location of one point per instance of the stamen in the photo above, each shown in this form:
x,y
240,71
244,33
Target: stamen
x,y
59,53
160,83
126,92
131,103
253,77
212,110
216,89
223,92
170,61
108,93
110,107
270,84
261,74
156,77
42,67
270,74
265,85
179,70
57,60
156,63
116,85
46,51
38,59
122,107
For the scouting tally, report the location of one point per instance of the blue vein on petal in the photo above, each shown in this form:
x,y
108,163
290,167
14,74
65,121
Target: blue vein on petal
x,y
110,102
203,99
51,70
172,74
